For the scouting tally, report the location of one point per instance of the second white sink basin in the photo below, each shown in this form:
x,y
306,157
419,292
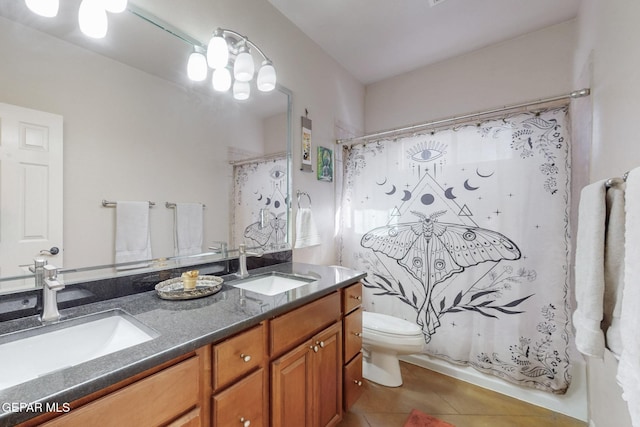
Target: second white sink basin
x,y
31,353
272,283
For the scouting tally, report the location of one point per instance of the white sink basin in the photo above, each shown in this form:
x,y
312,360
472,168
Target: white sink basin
x,y
272,283
31,353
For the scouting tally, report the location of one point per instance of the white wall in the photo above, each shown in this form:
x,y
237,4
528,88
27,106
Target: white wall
x,y
607,56
530,67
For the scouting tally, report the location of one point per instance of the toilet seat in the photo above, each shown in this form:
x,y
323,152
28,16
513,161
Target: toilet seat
x,y
383,324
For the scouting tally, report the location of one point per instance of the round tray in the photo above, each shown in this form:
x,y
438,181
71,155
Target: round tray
x,y
174,288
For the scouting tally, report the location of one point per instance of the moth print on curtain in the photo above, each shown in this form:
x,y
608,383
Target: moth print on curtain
x,y
465,232
260,205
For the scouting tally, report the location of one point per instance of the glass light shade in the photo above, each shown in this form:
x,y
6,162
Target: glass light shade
x,y
241,90
221,79
197,67
115,6
46,8
92,18
266,77
243,67
217,52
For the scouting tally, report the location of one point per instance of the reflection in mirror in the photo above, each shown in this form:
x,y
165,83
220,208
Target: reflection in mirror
x,y
134,128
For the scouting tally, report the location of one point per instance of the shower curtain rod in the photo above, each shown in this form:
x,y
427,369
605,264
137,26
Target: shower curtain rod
x,y
278,155
575,94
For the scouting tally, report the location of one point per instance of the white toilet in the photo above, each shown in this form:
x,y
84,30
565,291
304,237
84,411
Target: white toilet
x,y
384,338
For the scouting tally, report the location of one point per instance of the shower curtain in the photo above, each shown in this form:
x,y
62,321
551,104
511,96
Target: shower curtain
x,y
465,232
259,213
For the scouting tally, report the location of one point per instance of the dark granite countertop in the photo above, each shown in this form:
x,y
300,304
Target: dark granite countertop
x,y
183,326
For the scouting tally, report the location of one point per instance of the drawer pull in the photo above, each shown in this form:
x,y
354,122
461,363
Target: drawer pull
x,y
357,297
314,348
320,343
358,334
245,357
245,423
358,383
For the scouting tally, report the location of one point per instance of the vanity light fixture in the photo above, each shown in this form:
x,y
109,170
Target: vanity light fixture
x,y
228,50
46,8
197,65
92,14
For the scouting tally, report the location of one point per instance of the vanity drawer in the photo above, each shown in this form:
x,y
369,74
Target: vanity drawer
x,y
353,381
238,355
297,325
351,297
352,334
155,400
245,401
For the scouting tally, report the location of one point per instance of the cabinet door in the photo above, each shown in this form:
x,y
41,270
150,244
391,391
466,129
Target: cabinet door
x,y
328,376
242,403
292,388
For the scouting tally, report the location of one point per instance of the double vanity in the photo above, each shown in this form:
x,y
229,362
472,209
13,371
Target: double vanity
x,y
280,348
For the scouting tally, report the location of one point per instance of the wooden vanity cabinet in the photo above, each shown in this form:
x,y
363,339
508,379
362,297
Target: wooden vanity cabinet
x,y
306,374
286,371
352,309
306,382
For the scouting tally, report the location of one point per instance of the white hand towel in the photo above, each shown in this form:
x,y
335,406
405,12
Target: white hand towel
x,y
133,235
306,231
629,366
188,229
589,270
614,268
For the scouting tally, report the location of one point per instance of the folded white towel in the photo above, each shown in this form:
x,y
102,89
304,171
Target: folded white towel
x,y
614,268
133,235
188,229
629,366
589,270
306,231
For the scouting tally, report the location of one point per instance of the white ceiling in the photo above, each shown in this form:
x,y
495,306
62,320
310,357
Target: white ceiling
x,y
377,39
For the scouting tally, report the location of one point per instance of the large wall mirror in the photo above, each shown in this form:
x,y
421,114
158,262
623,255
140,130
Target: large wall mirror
x,y
134,128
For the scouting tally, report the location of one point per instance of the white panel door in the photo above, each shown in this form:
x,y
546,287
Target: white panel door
x,y
30,187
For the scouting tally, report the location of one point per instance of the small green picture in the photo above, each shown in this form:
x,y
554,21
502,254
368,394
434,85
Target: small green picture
x,y
325,164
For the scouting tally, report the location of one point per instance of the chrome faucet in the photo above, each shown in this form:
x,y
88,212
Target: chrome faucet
x,y
221,248
50,289
242,250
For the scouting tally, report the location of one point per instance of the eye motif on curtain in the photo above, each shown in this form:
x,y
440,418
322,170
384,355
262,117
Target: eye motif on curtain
x,y
466,231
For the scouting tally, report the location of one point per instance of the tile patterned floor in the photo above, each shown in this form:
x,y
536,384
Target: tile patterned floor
x,y
454,401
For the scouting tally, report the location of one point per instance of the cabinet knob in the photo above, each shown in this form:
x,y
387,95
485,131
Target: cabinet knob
x,y
358,334
245,357
357,297
358,383
314,348
245,423
320,343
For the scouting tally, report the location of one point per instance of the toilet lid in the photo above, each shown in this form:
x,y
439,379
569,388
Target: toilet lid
x,y
388,324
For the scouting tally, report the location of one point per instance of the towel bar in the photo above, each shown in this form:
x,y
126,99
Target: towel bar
x,y
172,205
108,204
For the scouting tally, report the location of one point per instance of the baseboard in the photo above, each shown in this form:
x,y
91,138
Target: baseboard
x,y
572,404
